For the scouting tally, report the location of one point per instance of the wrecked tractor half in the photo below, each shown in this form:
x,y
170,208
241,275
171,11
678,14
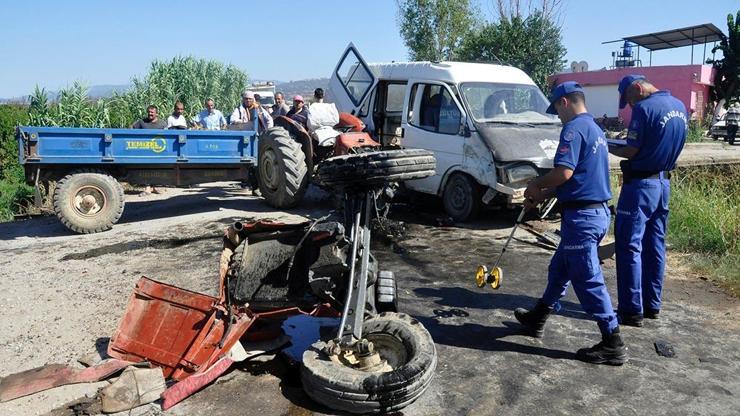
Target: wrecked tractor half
x,y
374,360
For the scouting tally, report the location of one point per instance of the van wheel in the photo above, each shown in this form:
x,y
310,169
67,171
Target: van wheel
x,y
88,201
283,174
401,341
462,197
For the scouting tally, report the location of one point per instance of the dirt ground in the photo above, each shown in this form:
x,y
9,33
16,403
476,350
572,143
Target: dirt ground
x,y
63,294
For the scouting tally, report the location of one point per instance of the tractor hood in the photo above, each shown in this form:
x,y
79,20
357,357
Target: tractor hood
x,y
512,143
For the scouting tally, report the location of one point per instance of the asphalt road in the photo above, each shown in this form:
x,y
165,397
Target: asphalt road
x,y
62,293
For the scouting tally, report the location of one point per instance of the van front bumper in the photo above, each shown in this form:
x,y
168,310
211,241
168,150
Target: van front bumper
x,y
513,195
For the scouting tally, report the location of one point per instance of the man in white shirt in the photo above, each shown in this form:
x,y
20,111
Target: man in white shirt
x,y
251,110
177,119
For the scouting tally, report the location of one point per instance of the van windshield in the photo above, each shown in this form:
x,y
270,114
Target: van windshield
x,y
490,102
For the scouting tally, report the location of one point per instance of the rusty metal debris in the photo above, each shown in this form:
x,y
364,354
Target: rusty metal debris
x,y
55,375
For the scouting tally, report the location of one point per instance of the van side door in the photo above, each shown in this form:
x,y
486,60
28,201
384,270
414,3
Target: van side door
x,y
433,119
351,82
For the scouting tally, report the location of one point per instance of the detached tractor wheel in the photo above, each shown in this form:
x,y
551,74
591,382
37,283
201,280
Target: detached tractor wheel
x,y
461,197
88,201
376,167
283,173
401,341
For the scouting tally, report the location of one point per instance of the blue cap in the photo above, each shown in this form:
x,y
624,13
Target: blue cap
x,y
558,92
623,84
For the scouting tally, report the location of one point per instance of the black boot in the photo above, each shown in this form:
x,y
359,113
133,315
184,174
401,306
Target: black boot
x,y
651,313
534,320
610,350
629,320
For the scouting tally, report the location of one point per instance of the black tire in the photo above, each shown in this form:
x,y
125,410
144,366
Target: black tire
x,y
386,292
283,173
462,197
85,215
343,388
376,167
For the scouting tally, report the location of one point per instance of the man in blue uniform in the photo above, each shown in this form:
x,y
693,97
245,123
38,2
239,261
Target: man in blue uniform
x,y
580,180
656,135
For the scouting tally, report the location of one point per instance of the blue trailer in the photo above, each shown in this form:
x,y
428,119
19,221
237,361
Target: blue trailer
x,y
87,165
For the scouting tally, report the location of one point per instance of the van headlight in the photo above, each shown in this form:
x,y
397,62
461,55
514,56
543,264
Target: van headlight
x,y
520,173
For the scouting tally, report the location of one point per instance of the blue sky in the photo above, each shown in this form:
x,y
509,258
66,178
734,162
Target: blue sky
x,y
53,43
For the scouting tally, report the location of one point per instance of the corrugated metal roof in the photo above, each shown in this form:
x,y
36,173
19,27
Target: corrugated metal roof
x,y
676,38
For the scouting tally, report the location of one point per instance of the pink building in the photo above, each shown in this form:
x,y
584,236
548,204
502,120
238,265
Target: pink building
x,y
688,83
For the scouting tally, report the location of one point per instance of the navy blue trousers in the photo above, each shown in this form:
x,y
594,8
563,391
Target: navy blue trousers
x,y
640,228
576,261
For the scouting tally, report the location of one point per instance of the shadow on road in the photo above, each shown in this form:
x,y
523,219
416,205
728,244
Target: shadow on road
x,y
486,338
459,297
186,202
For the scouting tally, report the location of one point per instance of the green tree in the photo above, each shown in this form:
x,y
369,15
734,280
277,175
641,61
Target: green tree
x,y
433,30
532,44
727,78
13,191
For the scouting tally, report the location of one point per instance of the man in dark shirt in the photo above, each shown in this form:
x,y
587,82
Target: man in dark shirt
x,y
298,112
151,121
580,180
655,138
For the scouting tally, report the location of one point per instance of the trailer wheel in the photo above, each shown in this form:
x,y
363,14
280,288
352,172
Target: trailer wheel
x,y
400,340
88,201
461,197
376,167
283,173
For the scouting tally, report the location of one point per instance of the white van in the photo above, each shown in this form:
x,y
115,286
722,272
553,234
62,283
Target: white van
x,y
485,123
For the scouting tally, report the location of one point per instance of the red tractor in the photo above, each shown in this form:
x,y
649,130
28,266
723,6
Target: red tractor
x,y
290,155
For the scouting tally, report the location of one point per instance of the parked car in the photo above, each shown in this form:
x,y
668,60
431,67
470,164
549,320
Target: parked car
x,y
486,124
719,129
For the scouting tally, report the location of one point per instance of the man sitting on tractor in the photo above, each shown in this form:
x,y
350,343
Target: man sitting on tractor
x,y
298,112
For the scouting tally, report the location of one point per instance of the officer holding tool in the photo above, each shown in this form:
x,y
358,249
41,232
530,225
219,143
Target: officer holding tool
x,y
580,180
656,135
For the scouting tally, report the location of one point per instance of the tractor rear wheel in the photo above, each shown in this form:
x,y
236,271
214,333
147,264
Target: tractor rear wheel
x,y
283,173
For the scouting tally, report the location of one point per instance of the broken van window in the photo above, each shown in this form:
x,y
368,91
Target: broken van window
x,y
509,103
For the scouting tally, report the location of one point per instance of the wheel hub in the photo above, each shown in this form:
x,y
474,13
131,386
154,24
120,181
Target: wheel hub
x,y
89,200
378,353
267,169
458,196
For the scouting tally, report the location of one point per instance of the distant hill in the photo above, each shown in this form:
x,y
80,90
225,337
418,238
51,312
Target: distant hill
x,y
303,87
95,91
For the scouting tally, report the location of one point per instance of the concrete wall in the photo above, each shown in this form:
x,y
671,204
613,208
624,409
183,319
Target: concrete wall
x,y
683,81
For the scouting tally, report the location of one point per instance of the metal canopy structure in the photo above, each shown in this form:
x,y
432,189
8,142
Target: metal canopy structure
x,y
676,38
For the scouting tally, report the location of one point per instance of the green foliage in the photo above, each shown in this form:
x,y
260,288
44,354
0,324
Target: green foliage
x,y
532,44
433,30
704,221
727,78
73,108
696,132
13,191
187,79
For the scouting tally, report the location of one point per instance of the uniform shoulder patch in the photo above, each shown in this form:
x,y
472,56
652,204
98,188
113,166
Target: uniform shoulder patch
x,y
569,135
564,149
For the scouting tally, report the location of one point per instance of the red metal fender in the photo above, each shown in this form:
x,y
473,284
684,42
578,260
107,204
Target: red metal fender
x,y
55,375
348,141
